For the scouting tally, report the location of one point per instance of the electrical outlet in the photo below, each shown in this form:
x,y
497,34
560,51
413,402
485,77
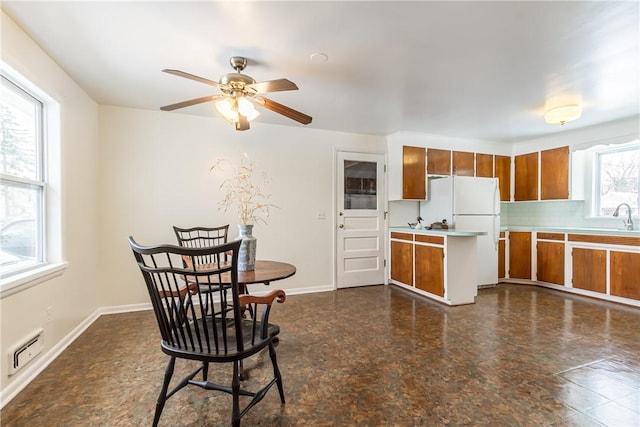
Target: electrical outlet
x,y
321,214
49,314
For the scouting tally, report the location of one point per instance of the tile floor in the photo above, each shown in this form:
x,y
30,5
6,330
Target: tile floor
x,y
373,356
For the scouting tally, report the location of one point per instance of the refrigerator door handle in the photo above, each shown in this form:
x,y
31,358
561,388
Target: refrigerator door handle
x,y
496,230
496,197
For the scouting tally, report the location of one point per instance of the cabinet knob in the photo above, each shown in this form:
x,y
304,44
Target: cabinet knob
x,y
341,226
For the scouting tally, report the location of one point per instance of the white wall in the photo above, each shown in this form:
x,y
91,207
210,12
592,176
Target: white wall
x,y
73,295
155,174
619,131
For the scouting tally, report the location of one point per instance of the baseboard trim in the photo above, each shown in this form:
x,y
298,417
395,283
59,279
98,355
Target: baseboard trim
x,y
39,364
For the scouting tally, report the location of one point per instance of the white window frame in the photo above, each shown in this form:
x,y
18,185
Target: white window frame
x,y
597,173
50,263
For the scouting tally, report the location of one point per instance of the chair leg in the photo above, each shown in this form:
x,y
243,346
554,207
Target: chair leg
x,y
235,388
276,370
205,371
162,398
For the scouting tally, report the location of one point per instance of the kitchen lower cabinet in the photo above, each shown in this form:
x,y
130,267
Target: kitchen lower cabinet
x,y
589,269
443,265
625,274
402,258
550,258
604,266
430,269
520,255
502,256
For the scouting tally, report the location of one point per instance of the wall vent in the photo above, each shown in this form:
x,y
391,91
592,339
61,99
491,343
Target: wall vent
x,y
22,354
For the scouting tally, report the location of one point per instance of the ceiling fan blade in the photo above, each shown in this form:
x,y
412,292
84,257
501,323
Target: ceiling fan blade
x,y
242,123
284,110
192,77
278,85
190,102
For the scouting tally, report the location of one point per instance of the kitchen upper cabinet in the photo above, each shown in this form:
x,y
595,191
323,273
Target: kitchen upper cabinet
x,y
503,173
430,269
402,258
554,174
484,165
625,274
414,178
526,177
589,269
520,255
438,162
550,258
463,163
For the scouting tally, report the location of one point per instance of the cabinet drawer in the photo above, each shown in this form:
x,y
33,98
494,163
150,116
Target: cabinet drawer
x,y
435,240
550,236
402,236
609,240
503,235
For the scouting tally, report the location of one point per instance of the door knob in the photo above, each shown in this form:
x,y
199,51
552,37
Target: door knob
x,y
341,226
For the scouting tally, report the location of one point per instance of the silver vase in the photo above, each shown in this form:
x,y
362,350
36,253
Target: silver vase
x,y
247,254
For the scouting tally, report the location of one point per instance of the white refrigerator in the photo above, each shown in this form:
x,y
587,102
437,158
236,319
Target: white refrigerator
x,y
468,204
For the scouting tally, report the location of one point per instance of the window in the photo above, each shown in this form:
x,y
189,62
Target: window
x,y
616,179
23,181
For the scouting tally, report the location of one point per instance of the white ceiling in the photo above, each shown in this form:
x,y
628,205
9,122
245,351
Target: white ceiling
x,y
482,70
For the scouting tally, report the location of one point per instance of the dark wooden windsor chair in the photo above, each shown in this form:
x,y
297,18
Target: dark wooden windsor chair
x,y
193,330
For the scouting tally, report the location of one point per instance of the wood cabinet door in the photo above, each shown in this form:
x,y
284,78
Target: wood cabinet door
x,y
414,173
402,262
520,255
554,174
502,253
503,173
430,269
550,262
438,161
463,163
484,165
589,269
625,274
526,177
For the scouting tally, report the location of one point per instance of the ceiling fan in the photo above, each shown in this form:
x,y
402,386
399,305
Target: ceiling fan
x,y
238,91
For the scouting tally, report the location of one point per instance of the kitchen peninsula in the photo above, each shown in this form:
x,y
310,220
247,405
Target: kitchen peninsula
x,y
439,264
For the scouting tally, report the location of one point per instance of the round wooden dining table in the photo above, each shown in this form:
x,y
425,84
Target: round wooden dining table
x,y
266,272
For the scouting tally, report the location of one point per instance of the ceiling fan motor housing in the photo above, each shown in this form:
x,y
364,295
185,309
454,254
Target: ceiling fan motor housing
x,y
236,81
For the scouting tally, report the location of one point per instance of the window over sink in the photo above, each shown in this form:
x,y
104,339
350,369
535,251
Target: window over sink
x,y
606,176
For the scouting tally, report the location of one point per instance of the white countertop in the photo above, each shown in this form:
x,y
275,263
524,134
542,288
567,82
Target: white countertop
x,y
574,230
439,232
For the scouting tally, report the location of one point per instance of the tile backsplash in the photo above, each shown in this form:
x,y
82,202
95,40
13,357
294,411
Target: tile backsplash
x,y
555,213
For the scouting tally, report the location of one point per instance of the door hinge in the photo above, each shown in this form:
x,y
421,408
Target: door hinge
x,y
384,167
385,263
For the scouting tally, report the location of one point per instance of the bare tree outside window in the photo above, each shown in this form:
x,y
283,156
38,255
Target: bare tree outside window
x,y
618,175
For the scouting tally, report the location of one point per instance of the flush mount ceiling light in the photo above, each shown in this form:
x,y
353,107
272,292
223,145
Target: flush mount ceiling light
x,y
563,114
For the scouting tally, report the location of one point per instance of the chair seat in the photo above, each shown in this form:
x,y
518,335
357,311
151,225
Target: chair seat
x,y
222,345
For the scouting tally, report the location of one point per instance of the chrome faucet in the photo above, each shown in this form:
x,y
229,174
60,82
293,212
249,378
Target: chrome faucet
x,y
627,222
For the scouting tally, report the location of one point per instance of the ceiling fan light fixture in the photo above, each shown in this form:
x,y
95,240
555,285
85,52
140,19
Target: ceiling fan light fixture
x,y
563,114
226,108
247,109
229,108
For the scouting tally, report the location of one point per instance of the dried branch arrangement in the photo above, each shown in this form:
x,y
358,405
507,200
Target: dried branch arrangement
x,y
252,204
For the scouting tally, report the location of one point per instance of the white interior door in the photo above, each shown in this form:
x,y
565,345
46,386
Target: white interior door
x,y
360,219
